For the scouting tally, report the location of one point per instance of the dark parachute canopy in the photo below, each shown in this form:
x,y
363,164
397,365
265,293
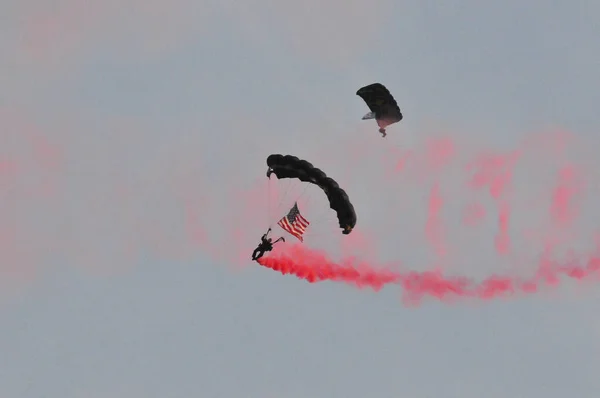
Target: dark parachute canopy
x,y
288,166
382,104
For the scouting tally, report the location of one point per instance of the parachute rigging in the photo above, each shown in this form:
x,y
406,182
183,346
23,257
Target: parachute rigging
x,y
293,168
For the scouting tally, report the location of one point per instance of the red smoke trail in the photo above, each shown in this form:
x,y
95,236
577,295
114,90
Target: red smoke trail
x,y
496,171
473,214
314,266
434,227
568,186
439,154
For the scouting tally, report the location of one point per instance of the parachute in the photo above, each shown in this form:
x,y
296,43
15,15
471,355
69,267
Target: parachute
x,y
288,166
383,106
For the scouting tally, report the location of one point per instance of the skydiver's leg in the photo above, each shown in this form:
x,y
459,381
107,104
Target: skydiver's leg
x,y
382,131
260,254
254,254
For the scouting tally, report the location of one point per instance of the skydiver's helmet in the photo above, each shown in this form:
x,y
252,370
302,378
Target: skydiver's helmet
x,y
347,230
382,131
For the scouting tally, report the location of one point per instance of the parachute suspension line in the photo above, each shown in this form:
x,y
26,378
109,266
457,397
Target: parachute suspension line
x,y
325,217
269,210
329,221
302,194
319,229
330,232
288,183
308,201
288,187
322,214
323,233
314,220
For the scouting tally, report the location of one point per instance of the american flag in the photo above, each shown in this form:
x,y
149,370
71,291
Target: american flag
x,y
294,223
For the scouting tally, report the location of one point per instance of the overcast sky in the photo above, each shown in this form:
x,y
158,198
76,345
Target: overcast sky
x,y
134,137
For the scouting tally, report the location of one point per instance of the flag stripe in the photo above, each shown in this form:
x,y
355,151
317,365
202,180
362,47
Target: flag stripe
x,y
294,223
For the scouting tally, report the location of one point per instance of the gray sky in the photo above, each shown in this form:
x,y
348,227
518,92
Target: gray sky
x,y
134,136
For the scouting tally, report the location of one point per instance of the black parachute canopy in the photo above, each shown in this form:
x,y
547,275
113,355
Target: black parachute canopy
x,y
381,102
288,166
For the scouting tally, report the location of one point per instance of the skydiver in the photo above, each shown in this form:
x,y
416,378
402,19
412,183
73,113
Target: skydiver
x,y
372,115
265,245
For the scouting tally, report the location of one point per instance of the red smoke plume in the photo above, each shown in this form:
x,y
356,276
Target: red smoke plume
x,y
314,266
